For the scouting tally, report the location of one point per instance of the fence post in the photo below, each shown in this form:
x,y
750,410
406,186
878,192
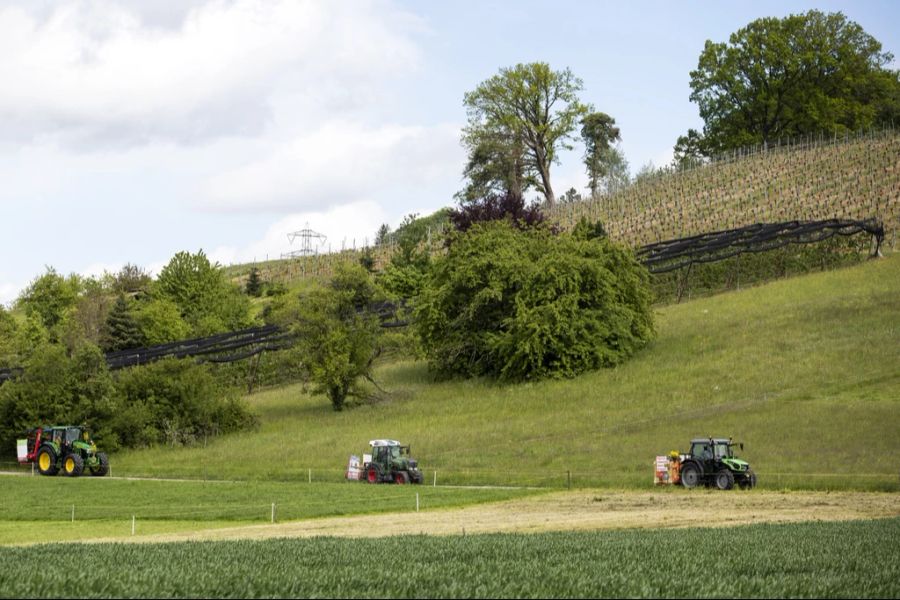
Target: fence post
x,y
435,479
73,513
132,524
310,475
273,512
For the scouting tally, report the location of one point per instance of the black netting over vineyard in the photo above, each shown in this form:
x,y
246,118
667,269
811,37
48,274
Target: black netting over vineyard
x,y
225,347
669,255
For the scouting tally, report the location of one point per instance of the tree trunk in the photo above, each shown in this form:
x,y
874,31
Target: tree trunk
x,y
544,170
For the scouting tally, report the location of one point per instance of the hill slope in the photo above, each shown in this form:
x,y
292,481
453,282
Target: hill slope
x,y
852,178
804,371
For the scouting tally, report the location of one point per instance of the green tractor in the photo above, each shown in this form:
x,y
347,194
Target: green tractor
x,y
390,462
712,462
67,448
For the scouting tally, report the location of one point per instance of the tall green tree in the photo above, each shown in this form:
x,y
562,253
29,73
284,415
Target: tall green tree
x,y
528,106
49,296
207,301
803,74
254,284
496,163
599,132
337,337
121,330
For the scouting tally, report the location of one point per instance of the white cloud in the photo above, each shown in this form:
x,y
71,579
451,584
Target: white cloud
x,y
95,71
339,163
9,292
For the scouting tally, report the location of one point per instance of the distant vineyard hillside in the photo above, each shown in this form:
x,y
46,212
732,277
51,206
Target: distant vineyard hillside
x,y
857,177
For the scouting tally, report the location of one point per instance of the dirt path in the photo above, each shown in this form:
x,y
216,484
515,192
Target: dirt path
x,y
578,511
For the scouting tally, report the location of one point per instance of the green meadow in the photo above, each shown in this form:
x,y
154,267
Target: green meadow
x,y
805,371
51,509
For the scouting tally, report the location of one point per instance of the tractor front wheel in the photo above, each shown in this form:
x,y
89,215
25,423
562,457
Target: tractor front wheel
x,y
690,476
103,467
73,465
46,461
749,480
725,479
401,478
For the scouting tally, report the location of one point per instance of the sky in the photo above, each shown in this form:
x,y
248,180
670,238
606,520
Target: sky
x,y
133,130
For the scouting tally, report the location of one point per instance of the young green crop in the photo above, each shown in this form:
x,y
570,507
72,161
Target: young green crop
x,y
858,559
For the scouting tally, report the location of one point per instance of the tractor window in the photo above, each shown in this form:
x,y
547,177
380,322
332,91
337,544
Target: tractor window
x,y
395,452
723,451
71,435
702,451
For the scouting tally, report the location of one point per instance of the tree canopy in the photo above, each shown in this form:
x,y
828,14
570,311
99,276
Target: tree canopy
x,y
777,78
207,301
518,120
336,335
599,132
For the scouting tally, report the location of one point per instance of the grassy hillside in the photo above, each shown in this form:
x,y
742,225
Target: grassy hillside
x,y
804,371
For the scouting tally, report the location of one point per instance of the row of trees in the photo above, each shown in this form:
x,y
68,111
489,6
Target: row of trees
x,y
190,297
813,73
60,328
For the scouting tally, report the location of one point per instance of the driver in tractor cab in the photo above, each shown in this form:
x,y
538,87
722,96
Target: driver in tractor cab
x,y
387,454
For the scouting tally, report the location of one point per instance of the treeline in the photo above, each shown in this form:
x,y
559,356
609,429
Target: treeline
x,y
60,327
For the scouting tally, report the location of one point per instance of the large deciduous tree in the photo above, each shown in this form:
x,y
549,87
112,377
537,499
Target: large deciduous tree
x,y
777,78
518,120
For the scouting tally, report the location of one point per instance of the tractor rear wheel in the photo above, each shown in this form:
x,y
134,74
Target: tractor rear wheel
x,y
373,473
46,460
724,479
73,465
103,468
690,476
401,478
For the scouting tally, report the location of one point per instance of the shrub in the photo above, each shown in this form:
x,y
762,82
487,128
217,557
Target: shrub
x,y
528,304
175,402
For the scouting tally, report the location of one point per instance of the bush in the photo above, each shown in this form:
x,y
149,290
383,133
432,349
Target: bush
x,y
176,402
171,401
530,304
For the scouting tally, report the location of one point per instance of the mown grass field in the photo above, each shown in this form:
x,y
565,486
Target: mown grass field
x,y
858,559
804,371
39,509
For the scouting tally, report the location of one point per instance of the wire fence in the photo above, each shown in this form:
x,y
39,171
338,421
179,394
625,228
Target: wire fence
x,y
551,477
